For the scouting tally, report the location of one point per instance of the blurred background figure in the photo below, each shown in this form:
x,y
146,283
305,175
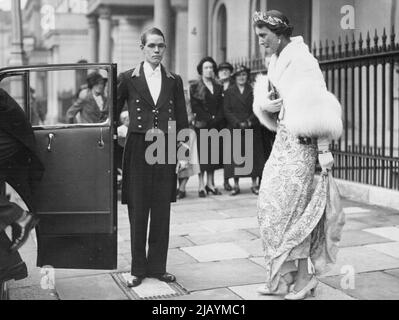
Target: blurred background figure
x,y
38,112
206,97
238,101
91,104
225,71
122,134
193,166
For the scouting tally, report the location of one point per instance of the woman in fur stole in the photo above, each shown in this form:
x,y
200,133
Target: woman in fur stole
x,y
292,100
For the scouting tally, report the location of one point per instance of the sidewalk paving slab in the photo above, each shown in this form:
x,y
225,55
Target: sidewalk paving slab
x,y
220,274
216,252
354,238
391,233
369,286
98,287
229,236
391,249
214,294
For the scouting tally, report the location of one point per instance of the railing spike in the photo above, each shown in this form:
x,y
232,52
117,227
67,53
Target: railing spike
x,y
375,41
333,49
384,40
360,43
339,46
393,35
368,40
327,51
321,50
346,46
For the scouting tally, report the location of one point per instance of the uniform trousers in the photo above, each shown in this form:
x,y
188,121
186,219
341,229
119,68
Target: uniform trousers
x,y
150,190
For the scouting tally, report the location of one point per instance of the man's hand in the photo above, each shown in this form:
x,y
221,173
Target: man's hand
x,y
326,161
272,106
181,165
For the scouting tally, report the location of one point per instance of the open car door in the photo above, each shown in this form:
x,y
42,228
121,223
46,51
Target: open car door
x,y
76,200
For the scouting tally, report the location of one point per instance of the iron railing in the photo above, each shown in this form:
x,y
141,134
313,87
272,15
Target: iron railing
x,y
364,76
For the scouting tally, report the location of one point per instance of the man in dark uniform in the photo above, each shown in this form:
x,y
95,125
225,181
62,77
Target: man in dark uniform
x,y
19,166
155,97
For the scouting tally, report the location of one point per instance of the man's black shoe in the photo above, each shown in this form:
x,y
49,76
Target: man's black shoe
x,y
166,277
135,281
15,272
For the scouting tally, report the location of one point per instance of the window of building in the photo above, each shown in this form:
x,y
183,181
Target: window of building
x,y
221,34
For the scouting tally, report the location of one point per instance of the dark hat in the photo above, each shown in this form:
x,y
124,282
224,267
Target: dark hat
x,y
95,78
240,69
226,65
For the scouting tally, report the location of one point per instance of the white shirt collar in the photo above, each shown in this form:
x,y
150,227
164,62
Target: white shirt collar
x,y
149,72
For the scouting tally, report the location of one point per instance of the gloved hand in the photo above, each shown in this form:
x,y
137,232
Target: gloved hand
x,y
272,106
326,161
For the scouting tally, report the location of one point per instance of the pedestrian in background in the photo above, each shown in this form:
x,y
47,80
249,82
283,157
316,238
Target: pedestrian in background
x,y
238,100
206,97
225,70
193,167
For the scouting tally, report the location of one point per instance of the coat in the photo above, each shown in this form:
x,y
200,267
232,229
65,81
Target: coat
x,y
309,109
145,115
237,109
208,111
14,122
87,106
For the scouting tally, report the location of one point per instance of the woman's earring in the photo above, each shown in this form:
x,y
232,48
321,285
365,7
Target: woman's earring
x,y
279,40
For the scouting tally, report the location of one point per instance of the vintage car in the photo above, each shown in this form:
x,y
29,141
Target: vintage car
x,y
77,198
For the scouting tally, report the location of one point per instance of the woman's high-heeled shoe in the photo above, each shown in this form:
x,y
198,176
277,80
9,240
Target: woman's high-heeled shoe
x,y
255,190
282,289
236,190
181,194
215,191
308,290
202,194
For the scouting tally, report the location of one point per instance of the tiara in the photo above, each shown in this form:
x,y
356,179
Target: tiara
x,y
262,16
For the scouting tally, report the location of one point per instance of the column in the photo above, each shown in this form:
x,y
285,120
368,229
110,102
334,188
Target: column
x,y
162,20
104,22
93,38
197,35
17,52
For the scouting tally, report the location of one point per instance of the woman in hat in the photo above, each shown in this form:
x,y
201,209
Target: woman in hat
x,y
206,97
91,104
238,100
293,100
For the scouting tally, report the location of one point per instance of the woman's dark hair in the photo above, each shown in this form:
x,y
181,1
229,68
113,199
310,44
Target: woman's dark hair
x,y
207,59
150,31
279,23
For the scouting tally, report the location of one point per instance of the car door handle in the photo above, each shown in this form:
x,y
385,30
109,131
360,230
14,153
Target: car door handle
x,y
50,140
101,141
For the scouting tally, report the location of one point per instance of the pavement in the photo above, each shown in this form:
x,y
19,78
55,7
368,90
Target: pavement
x,y
216,254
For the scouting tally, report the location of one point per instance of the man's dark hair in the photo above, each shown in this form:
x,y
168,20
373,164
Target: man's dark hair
x,y
207,59
149,32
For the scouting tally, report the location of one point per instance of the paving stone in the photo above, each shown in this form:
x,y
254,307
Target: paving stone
x,y
230,224
196,216
230,236
352,224
350,210
375,221
391,233
323,292
254,231
216,252
361,259
177,256
239,212
32,293
353,238
369,286
212,275
253,247
391,249
186,229
259,261
249,292
179,241
393,272
216,294
99,287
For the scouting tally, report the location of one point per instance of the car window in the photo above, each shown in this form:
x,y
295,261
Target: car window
x,y
68,97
